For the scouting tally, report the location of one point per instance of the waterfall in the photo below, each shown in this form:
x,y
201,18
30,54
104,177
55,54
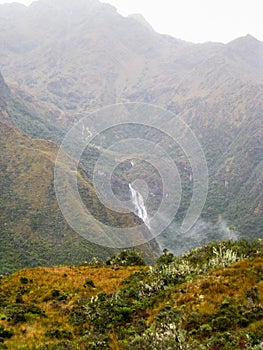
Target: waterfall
x,y
140,209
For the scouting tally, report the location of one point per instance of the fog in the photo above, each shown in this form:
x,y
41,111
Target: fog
x,y
202,233
195,21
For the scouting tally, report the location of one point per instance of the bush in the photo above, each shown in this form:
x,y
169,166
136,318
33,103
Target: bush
x,y
222,323
6,334
89,282
205,329
20,312
126,257
163,336
253,294
55,293
166,258
59,334
256,336
64,345
220,340
19,299
24,280
223,257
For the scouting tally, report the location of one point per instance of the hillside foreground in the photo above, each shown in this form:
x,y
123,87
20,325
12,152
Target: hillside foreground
x,y
210,298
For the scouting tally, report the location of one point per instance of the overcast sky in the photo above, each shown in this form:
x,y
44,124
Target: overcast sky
x,y
196,20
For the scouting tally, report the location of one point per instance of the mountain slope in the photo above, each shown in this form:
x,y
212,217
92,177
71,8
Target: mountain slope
x,y
65,59
16,111
100,59
222,101
33,229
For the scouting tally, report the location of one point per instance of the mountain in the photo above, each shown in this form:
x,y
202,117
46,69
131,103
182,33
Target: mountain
x,y
141,20
16,111
79,57
65,60
222,102
33,229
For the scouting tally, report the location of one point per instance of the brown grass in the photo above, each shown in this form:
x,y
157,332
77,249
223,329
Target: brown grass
x,y
70,280
203,295
208,292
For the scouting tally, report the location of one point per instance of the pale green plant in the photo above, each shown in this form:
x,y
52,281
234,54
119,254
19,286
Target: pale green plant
x,y
168,336
223,257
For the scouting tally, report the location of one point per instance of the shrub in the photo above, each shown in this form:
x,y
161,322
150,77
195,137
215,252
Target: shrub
x,y
205,329
59,334
223,257
166,258
6,334
64,345
20,312
163,336
176,272
253,294
55,293
19,299
126,257
3,300
222,323
256,336
219,341
89,282
24,280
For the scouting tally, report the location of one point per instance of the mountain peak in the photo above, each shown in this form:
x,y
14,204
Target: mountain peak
x,y
250,37
245,40
139,18
85,6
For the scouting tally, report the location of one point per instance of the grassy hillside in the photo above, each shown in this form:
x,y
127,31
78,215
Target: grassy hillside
x,y
17,111
33,231
211,298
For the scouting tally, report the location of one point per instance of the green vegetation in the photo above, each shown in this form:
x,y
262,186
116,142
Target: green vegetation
x,y
126,257
210,298
33,124
215,88
33,229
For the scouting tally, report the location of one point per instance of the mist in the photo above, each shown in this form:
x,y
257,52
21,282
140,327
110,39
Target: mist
x,y
200,234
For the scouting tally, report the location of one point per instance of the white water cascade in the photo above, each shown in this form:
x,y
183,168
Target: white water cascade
x,y
140,209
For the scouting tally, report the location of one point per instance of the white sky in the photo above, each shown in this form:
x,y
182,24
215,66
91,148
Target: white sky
x,y
196,20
